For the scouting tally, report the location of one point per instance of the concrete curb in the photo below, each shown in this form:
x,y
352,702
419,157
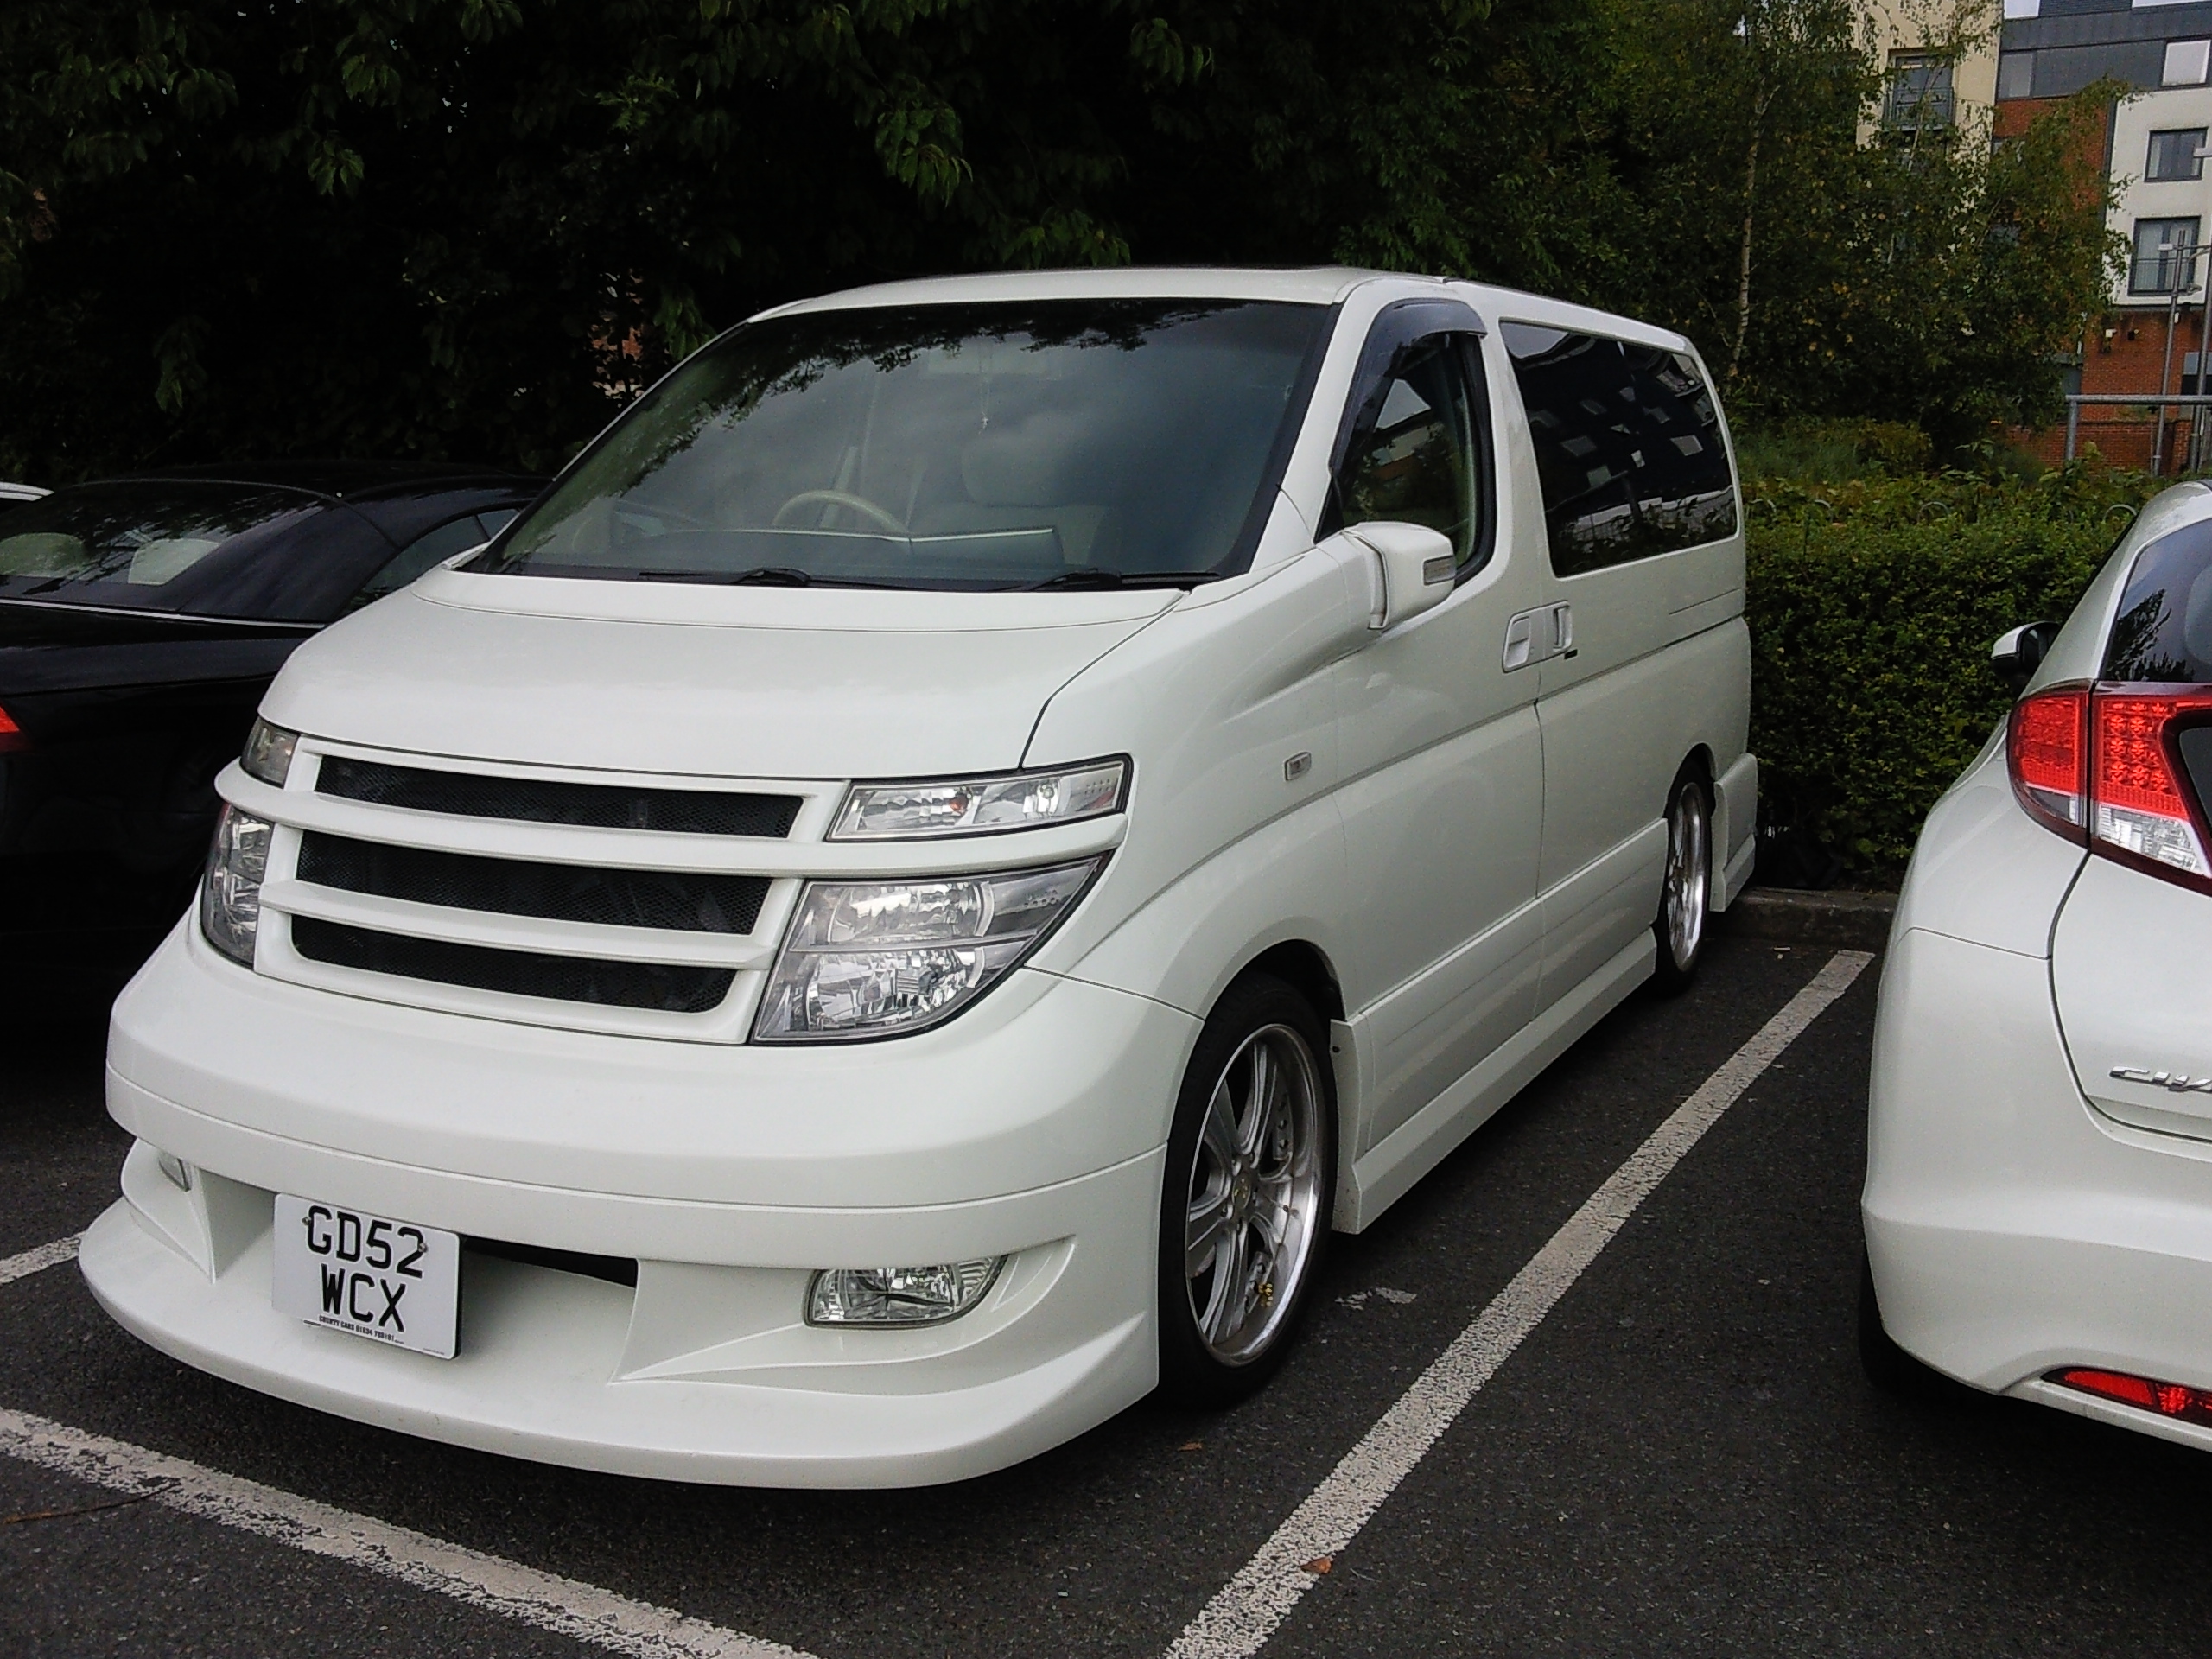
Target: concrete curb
x,y
1859,921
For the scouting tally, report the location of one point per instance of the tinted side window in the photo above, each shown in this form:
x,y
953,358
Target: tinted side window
x,y
1413,454
2163,630
1628,447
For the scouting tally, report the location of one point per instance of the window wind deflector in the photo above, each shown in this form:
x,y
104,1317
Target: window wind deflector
x,y
1092,576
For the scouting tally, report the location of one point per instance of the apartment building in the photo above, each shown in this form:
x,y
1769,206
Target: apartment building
x,y
2149,342
1942,56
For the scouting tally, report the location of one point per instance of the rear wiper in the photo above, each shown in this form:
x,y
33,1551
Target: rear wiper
x,y
1096,576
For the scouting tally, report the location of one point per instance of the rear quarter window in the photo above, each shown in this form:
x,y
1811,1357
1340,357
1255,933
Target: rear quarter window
x,y
1629,447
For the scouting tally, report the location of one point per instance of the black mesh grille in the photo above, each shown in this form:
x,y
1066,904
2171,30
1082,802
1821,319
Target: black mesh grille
x,y
517,886
598,806
521,973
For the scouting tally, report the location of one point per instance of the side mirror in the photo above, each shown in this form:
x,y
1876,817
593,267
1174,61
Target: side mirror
x,y
1415,568
2019,653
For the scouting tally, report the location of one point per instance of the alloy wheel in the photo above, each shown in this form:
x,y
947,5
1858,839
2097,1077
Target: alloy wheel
x,y
1254,1199
1688,866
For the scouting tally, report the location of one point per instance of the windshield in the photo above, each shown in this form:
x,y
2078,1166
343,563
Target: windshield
x,y
146,545
986,447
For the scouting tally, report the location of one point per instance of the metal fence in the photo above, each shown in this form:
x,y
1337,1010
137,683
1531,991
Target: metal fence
x,y
2152,400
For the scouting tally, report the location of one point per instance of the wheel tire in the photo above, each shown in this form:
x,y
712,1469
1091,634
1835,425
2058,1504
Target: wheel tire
x,y
1888,1367
1685,890
1262,1180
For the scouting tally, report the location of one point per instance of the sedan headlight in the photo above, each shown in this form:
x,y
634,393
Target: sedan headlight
x,y
880,958
978,806
230,895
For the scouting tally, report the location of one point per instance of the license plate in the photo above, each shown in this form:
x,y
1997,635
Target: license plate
x,y
393,1281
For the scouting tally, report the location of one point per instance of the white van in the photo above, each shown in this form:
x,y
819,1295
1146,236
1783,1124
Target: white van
x,y
892,912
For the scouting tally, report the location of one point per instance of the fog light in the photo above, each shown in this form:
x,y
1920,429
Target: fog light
x,y
176,1169
2175,1400
900,1295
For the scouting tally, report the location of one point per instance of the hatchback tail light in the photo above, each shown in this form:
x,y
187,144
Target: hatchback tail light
x,y
2103,766
2048,749
11,735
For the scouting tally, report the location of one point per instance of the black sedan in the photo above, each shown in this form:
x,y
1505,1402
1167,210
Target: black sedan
x,y
141,619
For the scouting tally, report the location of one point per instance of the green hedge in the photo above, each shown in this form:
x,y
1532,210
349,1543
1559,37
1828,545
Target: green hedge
x,y
1871,605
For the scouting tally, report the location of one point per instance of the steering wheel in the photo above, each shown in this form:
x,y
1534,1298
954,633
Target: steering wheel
x,y
859,504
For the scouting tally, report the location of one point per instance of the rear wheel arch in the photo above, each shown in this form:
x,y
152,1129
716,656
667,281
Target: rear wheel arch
x,y
1700,758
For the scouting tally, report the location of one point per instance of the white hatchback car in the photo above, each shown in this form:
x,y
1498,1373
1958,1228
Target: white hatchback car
x,y
893,910
2038,1196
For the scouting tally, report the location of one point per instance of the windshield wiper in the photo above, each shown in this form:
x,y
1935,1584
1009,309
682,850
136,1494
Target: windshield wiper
x,y
765,575
1096,576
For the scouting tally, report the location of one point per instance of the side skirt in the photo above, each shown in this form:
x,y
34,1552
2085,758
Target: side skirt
x,y
1389,1171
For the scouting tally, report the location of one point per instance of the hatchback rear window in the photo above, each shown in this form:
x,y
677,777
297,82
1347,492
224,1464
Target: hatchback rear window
x,y
2163,633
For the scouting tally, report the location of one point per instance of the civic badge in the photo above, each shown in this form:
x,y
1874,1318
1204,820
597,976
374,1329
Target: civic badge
x,y
2179,1083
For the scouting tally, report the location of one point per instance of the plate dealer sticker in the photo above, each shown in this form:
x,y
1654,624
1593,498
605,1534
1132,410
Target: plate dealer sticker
x,y
395,1282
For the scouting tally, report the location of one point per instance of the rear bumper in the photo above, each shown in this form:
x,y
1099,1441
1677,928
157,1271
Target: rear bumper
x,y
2011,1229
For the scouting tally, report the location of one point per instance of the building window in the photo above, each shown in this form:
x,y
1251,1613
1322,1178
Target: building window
x,y
2165,256
2174,155
1919,93
2017,9
2186,63
2016,74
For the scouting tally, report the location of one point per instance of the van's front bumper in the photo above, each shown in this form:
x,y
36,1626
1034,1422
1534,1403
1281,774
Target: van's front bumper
x,y
1031,1127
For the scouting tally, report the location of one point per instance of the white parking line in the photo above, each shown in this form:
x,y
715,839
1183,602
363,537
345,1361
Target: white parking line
x,y
520,1593
1239,1620
38,1260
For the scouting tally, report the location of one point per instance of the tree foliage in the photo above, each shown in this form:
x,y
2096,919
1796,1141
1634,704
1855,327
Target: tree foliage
x,y
468,228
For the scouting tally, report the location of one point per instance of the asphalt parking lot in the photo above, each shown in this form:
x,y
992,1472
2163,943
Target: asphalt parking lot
x,y
1681,1455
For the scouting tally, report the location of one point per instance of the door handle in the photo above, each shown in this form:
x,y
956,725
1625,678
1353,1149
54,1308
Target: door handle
x,y
1520,640
1534,636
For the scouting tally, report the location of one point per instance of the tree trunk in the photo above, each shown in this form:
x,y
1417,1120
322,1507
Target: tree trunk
x,y
1744,254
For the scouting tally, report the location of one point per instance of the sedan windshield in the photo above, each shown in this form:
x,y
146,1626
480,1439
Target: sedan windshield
x,y
1061,444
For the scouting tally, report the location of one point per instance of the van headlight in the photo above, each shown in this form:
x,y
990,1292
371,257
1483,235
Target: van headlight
x,y
229,893
981,806
881,958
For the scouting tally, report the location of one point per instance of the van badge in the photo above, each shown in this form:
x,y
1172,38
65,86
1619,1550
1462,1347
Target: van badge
x,y
2179,1083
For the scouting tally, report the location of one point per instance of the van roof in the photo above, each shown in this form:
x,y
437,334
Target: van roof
x,y
1312,285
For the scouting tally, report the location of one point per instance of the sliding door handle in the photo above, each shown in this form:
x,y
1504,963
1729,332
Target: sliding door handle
x,y
1520,641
